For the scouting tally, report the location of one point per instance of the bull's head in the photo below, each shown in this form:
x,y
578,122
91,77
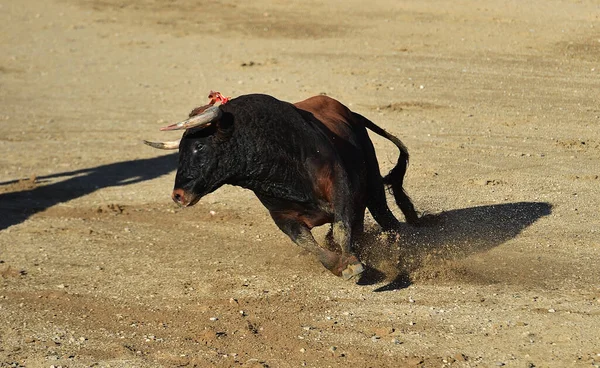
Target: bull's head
x,y
203,142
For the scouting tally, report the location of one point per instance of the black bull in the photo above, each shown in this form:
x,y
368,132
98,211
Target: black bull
x,y
309,163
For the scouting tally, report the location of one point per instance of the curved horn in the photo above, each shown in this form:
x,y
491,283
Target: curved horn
x,y
204,119
171,145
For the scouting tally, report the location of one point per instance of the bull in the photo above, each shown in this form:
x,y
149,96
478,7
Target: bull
x,y
309,163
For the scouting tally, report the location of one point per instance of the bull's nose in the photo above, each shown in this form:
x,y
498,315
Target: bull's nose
x,y
179,196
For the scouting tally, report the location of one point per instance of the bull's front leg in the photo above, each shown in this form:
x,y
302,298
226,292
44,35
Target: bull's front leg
x,y
300,234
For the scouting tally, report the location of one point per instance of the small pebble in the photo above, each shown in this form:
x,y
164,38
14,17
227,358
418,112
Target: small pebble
x,y
460,357
383,331
332,349
375,338
303,350
213,319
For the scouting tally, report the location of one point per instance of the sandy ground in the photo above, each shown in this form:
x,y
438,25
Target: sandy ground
x,y
496,100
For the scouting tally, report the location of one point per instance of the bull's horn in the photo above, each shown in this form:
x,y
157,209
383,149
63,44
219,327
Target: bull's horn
x,y
204,119
164,145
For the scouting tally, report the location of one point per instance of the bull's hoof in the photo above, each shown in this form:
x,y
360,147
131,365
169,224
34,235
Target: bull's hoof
x,y
352,270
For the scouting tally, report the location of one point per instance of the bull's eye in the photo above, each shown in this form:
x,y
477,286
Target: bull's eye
x,y
199,147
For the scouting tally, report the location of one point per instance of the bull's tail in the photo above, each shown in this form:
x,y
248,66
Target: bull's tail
x,y
395,178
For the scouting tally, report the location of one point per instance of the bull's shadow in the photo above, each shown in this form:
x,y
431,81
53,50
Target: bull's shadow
x,y
460,233
19,205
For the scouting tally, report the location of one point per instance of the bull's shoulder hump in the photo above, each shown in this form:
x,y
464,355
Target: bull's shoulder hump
x,y
254,98
255,102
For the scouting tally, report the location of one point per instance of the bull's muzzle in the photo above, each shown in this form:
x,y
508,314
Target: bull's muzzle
x,y
179,197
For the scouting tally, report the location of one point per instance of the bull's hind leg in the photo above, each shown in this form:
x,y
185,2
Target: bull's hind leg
x,y
377,204
408,209
406,206
346,225
382,213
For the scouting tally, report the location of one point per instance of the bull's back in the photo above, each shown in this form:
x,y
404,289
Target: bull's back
x,y
334,115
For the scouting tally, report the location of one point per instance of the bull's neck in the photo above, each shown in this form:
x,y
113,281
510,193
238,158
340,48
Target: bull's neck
x,y
280,183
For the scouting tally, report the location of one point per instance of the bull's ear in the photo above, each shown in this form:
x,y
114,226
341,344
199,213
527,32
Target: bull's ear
x,y
225,126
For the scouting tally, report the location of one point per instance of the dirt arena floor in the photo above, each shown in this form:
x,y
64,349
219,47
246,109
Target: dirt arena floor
x,y
498,102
